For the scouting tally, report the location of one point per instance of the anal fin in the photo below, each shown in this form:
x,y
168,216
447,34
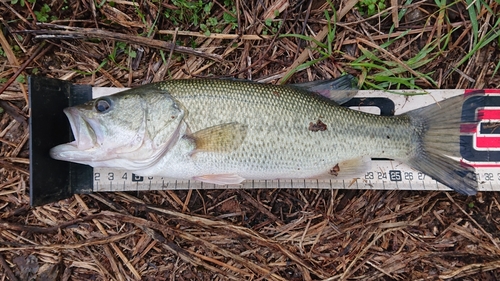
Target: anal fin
x,y
348,168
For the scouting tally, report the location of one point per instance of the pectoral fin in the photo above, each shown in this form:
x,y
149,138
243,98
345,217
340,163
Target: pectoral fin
x,y
221,179
221,138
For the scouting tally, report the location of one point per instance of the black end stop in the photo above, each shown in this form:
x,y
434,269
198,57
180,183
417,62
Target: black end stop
x,y
52,180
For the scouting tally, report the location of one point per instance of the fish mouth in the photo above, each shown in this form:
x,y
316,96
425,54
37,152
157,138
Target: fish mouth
x,y
86,133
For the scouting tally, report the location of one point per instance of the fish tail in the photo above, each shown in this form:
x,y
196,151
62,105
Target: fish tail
x,y
438,139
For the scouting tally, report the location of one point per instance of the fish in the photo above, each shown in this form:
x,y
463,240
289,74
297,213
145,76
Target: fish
x,y
224,131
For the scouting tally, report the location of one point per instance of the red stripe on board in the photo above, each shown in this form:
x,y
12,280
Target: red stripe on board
x,y
492,91
469,92
480,165
485,114
487,142
468,128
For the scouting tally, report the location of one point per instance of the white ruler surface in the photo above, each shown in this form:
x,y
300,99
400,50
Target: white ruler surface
x,y
384,174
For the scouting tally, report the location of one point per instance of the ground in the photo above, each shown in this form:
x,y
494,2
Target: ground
x,y
303,234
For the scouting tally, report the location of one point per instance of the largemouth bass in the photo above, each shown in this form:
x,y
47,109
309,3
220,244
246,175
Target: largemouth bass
x,y
227,131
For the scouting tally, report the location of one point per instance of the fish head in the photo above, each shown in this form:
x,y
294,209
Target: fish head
x,y
129,130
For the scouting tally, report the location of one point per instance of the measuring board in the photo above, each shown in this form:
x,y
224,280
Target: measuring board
x,y
480,148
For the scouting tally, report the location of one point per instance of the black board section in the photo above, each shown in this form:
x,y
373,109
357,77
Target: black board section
x,y
386,105
52,180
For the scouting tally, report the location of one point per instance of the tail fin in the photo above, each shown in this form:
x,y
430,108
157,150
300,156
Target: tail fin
x,y
438,126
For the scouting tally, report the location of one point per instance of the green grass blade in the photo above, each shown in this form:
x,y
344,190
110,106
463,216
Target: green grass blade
x,y
305,38
473,20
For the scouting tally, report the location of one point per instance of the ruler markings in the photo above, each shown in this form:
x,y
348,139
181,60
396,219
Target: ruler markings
x,y
489,180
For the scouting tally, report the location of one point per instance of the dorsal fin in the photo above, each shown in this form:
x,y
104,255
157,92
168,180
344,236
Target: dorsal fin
x,y
339,90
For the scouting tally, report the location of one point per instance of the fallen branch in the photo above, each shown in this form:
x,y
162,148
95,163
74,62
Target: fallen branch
x,y
67,32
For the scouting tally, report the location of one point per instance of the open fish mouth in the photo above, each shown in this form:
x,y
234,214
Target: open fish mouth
x,y
86,133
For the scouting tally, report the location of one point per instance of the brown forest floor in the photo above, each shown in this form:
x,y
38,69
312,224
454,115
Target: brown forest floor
x,y
237,234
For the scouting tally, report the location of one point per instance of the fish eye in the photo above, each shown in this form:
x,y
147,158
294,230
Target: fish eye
x,y
102,105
